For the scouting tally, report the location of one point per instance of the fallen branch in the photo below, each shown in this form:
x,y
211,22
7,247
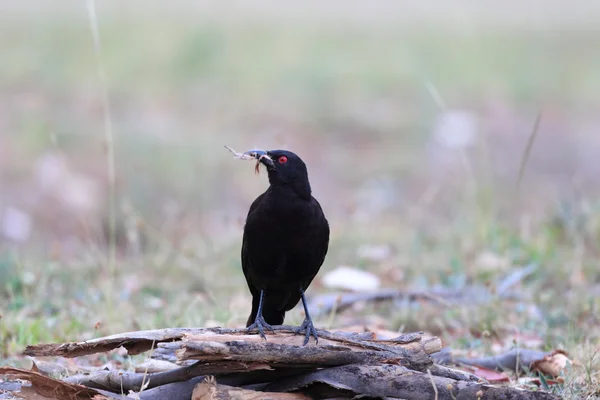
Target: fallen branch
x,y
134,342
120,381
394,381
470,295
124,381
410,346
324,304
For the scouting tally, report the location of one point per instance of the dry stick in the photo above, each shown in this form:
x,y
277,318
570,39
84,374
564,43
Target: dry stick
x,y
144,383
110,148
326,303
469,296
451,373
525,158
123,382
435,390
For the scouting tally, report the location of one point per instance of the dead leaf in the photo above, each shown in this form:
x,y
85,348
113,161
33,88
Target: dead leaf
x,y
29,393
490,375
53,388
552,364
529,380
51,369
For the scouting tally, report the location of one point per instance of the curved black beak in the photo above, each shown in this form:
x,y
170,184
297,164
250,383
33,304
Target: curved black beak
x,y
261,156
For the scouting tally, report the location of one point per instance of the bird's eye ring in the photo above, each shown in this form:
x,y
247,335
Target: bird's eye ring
x,y
282,160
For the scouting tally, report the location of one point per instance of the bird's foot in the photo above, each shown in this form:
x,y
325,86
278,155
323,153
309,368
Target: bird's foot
x,y
260,325
309,329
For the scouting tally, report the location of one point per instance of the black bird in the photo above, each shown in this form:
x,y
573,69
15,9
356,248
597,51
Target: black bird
x,y
285,241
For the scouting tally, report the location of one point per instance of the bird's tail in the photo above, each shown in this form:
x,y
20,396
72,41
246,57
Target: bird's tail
x,y
272,315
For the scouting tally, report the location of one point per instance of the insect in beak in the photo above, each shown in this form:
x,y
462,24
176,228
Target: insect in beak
x,y
260,156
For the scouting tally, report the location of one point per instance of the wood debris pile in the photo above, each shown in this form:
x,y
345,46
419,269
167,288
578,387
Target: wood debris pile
x,y
216,363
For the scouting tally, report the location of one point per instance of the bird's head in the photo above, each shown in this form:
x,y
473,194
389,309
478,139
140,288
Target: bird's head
x,y
284,168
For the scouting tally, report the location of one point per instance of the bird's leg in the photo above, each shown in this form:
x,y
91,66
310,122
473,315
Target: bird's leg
x,y
259,323
307,326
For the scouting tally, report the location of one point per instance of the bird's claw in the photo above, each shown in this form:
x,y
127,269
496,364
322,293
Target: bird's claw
x,y
309,329
260,325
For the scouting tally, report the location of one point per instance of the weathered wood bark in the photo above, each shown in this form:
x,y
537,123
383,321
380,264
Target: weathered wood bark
x,y
141,341
117,381
394,381
134,342
286,350
123,381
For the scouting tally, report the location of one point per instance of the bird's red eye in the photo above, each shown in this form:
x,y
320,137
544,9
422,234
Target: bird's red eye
x,y
282,160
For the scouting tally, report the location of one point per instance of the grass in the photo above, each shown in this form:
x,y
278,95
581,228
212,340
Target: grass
x,y
354,101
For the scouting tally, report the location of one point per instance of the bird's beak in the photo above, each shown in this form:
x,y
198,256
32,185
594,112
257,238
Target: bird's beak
x,y
261,156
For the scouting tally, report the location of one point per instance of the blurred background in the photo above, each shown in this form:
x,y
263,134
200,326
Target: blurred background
x,y
413,117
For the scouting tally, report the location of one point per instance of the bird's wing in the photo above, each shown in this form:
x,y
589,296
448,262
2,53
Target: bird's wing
x,y
314,252
323,234
245,261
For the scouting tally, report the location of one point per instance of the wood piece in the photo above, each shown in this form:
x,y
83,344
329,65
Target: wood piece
x,y
120,381
183,390
395,381
137,342
134,342
285,349
445,372
152,366
123,381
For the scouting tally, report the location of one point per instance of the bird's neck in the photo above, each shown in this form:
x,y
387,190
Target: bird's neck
x,y
297,187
